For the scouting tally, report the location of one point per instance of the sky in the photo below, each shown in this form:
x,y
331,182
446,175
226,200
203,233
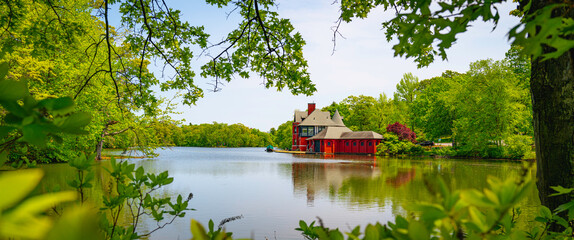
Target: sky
x,y
363,63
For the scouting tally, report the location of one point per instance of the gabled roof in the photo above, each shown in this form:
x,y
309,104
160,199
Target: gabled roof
x,y
320,118
300,116
331,133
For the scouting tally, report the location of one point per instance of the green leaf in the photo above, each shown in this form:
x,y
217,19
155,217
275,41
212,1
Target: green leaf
x,y
5,130
561,191
371,233
211,225
4,67
11,90
16,185
302,225
39,204
476,198
29,215
561,221
336,235
418,231
75,122
77,223
478,218
431,212
545,212
564,207
3,158
28,120
58,106
541,219
34,134
198,231
401,222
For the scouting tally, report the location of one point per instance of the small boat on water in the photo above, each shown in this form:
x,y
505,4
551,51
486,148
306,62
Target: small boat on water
x,y
269,148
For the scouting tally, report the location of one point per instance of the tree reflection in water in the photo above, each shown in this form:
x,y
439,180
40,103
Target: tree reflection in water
x,y
368,182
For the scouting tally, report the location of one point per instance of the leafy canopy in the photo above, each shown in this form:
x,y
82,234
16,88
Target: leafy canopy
x,y
425,29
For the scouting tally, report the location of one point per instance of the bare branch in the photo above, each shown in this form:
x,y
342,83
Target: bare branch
x,y
258,16
335,33
150,33
118,132
10,15
87,81
110,51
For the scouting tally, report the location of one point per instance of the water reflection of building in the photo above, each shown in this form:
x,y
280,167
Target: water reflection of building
x,y
403,177
323,179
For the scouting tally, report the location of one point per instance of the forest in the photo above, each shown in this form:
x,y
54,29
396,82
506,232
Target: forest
x,y
72,84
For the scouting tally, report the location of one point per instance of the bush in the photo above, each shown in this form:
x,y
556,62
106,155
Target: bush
x,y
402,131
480,150
417,150
391,145
443,151
494,152
517,146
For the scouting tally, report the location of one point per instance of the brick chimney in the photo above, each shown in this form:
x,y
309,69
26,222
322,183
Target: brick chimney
x,y
310,108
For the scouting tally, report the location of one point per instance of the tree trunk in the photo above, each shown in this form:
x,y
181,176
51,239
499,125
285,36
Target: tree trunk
x,y
552,88
105,133
100,145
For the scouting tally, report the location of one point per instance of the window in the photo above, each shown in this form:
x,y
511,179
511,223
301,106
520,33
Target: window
x,y
362,143
355,144
328,144
320,128
347,143
303,132
307,131
370,144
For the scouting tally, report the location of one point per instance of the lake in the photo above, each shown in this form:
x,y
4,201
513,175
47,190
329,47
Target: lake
x,y
273,191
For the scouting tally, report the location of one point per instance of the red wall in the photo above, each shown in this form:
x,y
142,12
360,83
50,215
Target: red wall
x,y
298,143
340,146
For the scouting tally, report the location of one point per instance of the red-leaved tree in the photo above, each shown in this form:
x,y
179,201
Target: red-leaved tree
x,y
402,131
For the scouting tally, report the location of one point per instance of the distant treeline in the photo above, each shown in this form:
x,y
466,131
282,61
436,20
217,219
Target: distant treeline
x,y
485,112
210,135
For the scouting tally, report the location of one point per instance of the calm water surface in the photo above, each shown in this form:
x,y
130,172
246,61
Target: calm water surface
x,y
273,191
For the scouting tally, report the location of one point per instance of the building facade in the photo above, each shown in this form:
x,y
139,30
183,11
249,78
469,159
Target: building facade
x,y
316,131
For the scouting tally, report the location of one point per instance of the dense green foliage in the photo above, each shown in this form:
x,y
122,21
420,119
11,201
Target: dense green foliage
x,y
28,122
391,145
366,113
283,136
486,112
210,135
69,49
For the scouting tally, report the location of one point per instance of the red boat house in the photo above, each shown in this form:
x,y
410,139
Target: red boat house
x,y
316,131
